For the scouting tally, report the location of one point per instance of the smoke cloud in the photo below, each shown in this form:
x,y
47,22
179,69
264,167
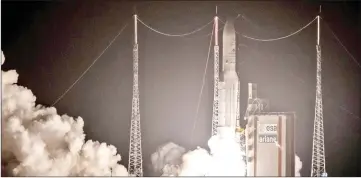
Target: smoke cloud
x,y
36,141
224,159
298,166
167,158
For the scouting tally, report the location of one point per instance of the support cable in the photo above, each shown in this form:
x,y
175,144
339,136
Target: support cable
x,y
279,38
219,29
175,35
90,66
243,17
201,91
344,47
342,107
328,96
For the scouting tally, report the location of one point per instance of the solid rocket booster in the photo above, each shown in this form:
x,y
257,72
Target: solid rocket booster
x,y
229,87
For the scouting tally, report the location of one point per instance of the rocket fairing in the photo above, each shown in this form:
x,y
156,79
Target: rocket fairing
x,y
229,47
229,86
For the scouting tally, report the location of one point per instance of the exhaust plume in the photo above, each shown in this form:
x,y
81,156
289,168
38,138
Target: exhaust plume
x,y
224,159
36,141
298,166
167,158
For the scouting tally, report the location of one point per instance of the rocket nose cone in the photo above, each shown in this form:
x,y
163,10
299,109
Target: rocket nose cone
x,y
229,27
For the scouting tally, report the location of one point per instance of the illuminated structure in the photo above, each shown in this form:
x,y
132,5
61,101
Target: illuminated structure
x,y
318,167
135,164
270,145
269,137
215,117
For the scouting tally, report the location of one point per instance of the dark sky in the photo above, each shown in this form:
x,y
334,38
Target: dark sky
x,y
51,43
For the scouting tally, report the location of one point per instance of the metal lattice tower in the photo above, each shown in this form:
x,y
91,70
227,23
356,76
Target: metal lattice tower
x,y
215,117
135,167
318,168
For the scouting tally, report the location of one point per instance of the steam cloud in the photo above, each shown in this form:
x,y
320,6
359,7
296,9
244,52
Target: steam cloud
x,y
167,158
224,159
36,141
298,166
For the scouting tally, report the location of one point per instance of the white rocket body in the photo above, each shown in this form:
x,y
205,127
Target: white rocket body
x,y
229,86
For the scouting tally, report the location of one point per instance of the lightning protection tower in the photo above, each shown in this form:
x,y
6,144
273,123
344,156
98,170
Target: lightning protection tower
x,y
318,168
215,118
135,167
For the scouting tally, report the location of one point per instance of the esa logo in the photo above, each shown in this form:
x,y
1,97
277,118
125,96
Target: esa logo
x,y
271,128
268,128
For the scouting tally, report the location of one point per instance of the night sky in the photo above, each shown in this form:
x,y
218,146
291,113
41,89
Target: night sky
x,y
51,43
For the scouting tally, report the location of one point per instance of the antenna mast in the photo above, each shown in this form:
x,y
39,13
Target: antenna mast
x,y
318,168
215,118
135,167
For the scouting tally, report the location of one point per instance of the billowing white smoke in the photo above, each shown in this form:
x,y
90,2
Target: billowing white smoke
x,y
167,159
36,141
298,166
224,159
196,163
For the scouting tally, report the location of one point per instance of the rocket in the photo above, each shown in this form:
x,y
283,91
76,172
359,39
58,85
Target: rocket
x,y
229,84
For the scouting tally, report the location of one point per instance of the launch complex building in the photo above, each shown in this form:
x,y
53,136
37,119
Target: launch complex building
x,y
270,143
